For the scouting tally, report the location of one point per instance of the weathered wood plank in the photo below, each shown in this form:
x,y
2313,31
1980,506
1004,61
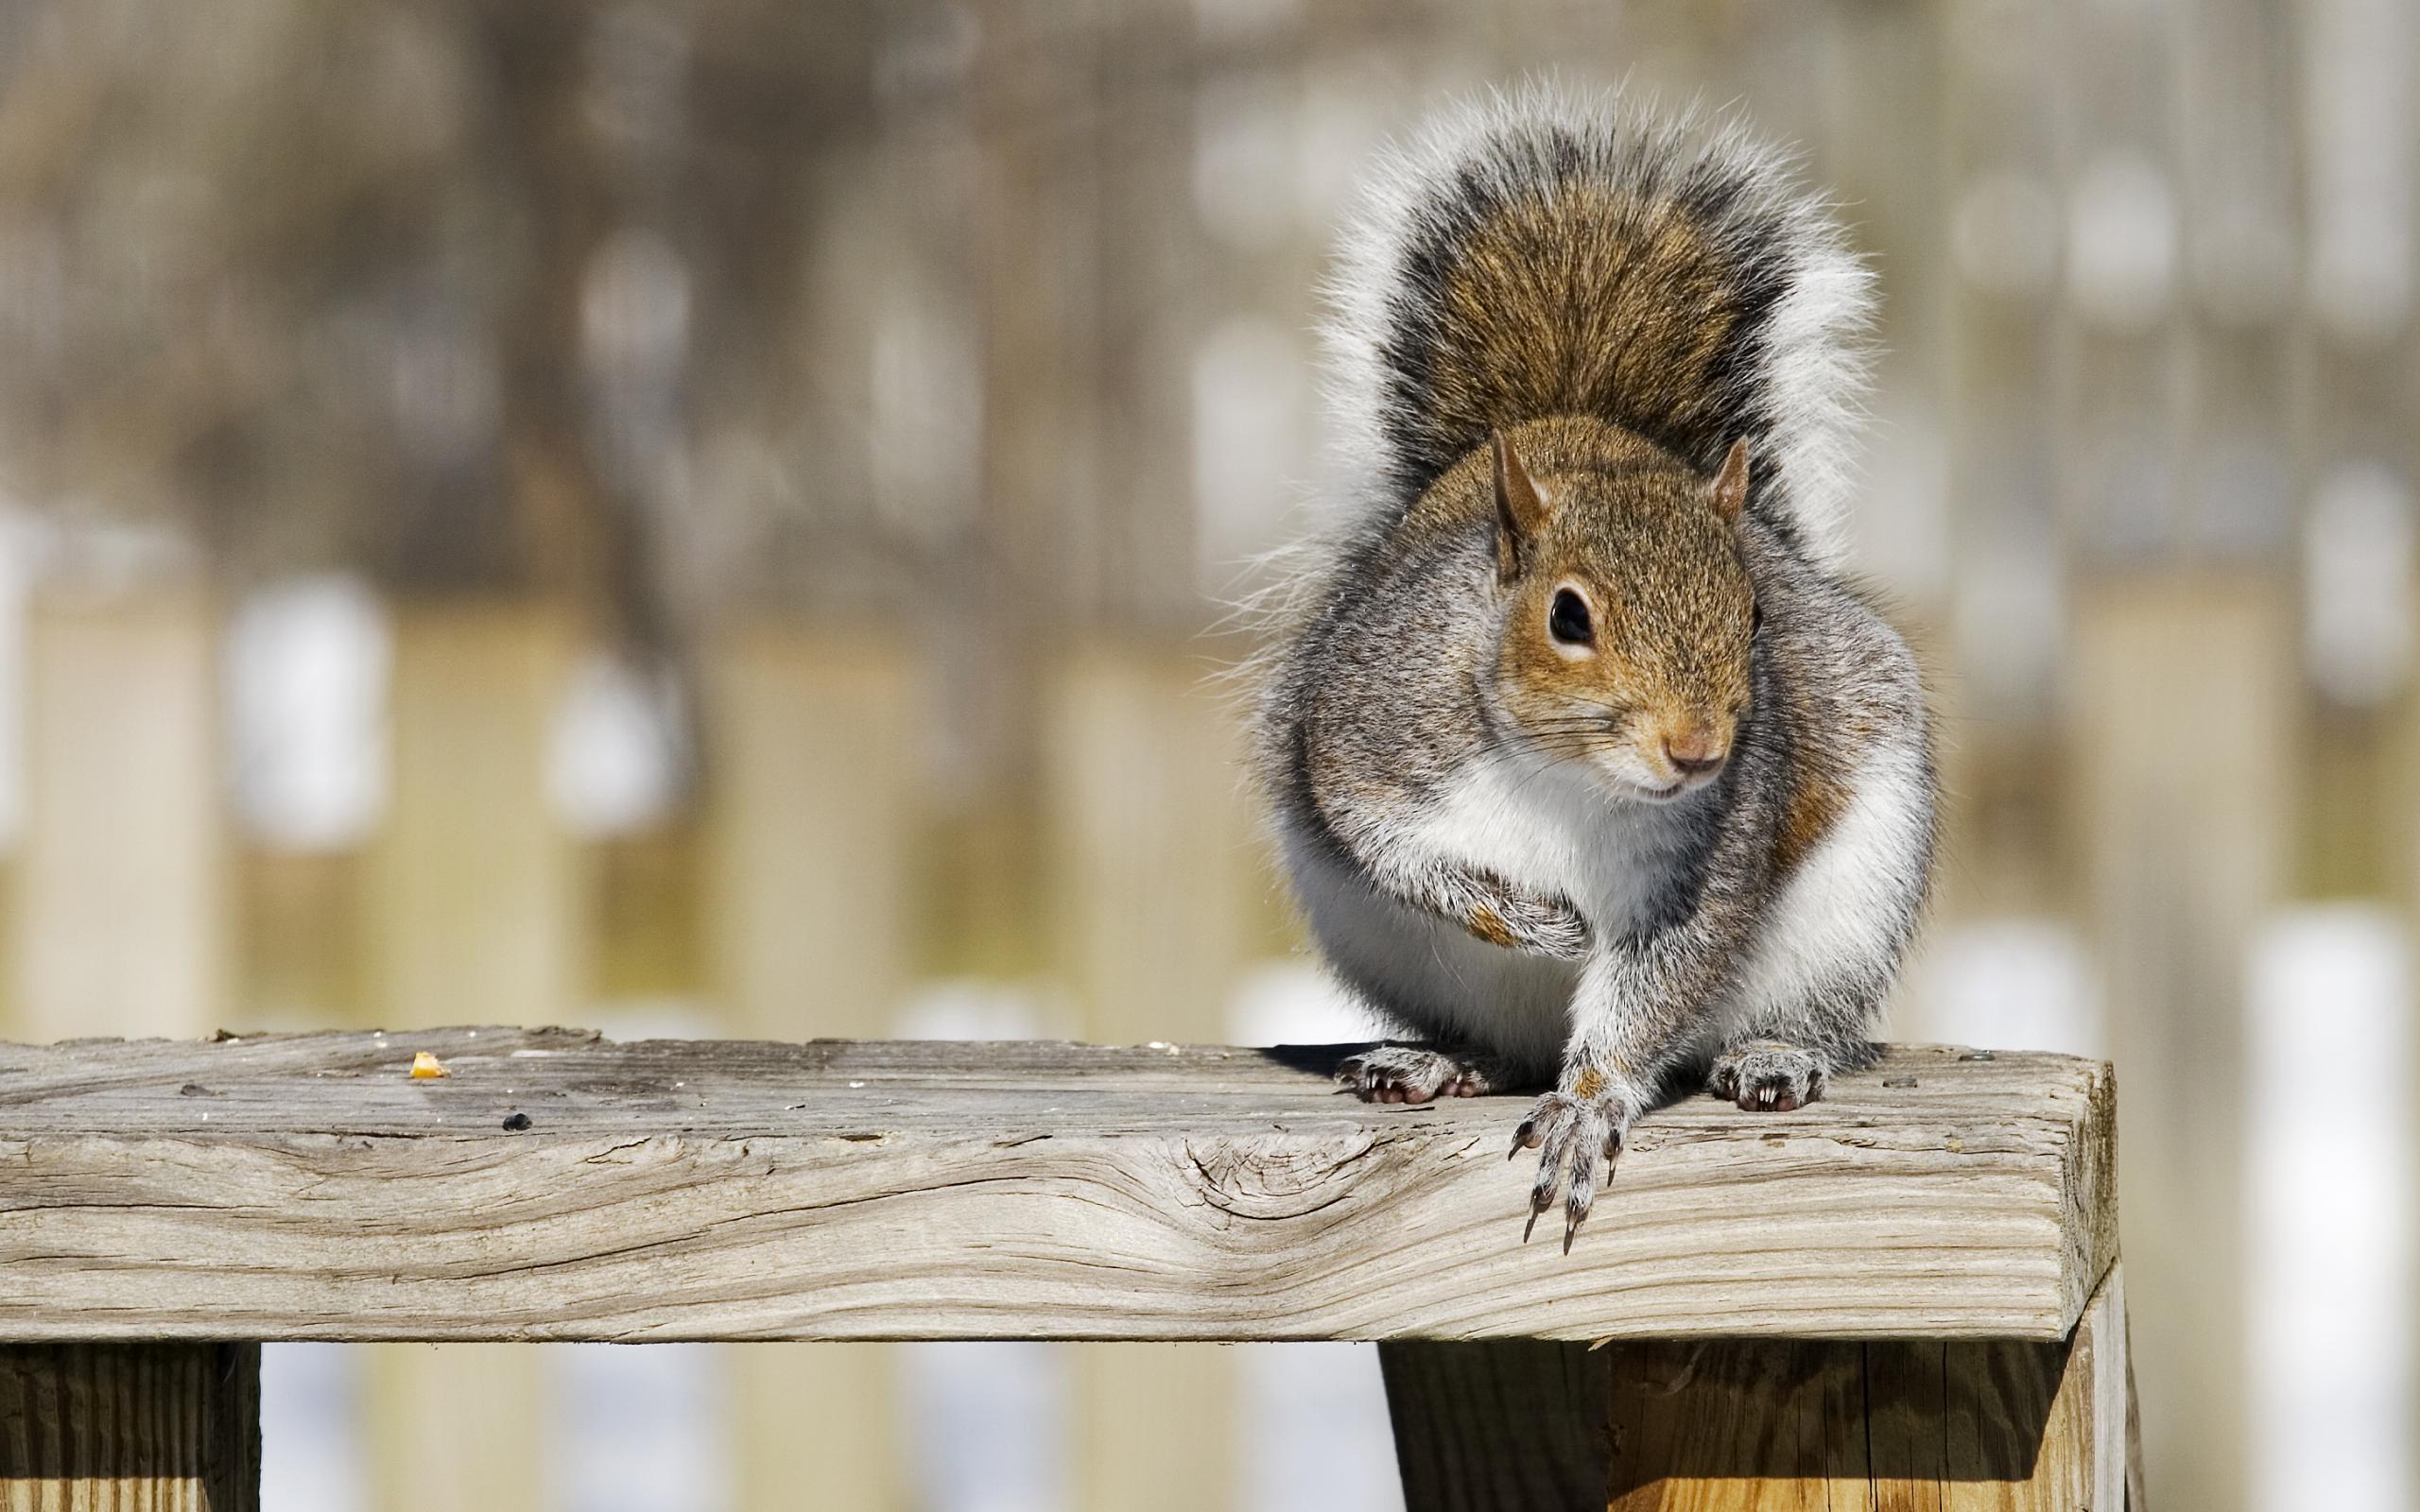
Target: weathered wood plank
x,y
1769,1425
117,1428
305,1187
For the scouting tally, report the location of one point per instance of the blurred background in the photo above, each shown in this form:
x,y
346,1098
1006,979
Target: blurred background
x,y
716,517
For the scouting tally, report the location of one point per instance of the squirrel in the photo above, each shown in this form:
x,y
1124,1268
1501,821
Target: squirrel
x,y
1590,766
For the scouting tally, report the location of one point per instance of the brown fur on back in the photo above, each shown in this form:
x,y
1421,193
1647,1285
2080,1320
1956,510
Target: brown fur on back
x,y
1589,303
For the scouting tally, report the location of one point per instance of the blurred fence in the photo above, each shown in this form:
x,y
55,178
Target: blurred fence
x,y
503,869
909,384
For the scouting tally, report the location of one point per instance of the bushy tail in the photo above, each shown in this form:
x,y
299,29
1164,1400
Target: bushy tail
x,y
1543,254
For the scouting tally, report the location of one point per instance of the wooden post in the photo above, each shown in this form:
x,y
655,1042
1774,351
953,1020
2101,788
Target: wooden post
x,y
810,768
1148,838
1770,1425
474,914
2183,730
101,1427
1154,850
474,896
120,923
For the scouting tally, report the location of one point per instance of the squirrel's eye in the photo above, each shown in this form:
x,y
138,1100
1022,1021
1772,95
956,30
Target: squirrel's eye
x,y
1567,621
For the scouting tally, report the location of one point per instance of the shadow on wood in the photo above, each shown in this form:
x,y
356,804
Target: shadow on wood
x,y
171,1426
1516,1424
1732,1424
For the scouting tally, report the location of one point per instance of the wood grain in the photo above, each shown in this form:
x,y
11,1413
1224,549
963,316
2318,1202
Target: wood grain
x,y
129,1428
305,1187
1769,1425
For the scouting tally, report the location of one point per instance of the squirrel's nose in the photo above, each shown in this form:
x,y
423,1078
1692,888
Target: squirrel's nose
x,y
1695,752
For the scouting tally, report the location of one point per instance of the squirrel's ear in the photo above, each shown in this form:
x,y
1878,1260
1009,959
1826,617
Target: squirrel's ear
x,y
1731,484
1521,508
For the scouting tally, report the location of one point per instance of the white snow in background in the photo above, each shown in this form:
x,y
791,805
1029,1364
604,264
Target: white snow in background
x,y
306,664
638,1428
2005,983
615,762
1311,1432
312,1456
2327,1299
987,1426
1295,1003
971,1008
2357,615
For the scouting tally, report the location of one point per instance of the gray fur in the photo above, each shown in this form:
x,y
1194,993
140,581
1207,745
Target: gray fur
x,y
1484,892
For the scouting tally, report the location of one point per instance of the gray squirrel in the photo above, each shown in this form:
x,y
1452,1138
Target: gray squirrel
x,y
1589,766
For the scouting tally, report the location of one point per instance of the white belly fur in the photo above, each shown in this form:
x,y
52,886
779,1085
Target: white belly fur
x,y
1840,917
1438,979
1547,829
1547,832
1539,828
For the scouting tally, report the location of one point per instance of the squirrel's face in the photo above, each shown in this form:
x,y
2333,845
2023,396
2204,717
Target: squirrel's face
x,y
1628,618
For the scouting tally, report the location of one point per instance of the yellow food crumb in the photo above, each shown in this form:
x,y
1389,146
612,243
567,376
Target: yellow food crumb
x,y
426,1066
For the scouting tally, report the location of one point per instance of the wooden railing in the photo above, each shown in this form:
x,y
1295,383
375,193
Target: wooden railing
x,y
1909,1290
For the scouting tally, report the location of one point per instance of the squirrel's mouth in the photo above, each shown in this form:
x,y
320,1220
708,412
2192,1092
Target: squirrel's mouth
x,y
1632,779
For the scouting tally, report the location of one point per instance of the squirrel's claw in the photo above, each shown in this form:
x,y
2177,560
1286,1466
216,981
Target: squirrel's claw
x,y
1414,1073
1571,1134
1524,1137
1769,1075
1581,1198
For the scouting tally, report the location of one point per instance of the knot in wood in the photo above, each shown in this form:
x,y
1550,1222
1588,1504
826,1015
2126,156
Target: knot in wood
x,y
1280,1177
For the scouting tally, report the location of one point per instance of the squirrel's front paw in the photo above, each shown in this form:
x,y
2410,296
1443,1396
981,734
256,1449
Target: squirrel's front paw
x,y
1575,1128
1562,935
1413,1073
1517,920
1769,1075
